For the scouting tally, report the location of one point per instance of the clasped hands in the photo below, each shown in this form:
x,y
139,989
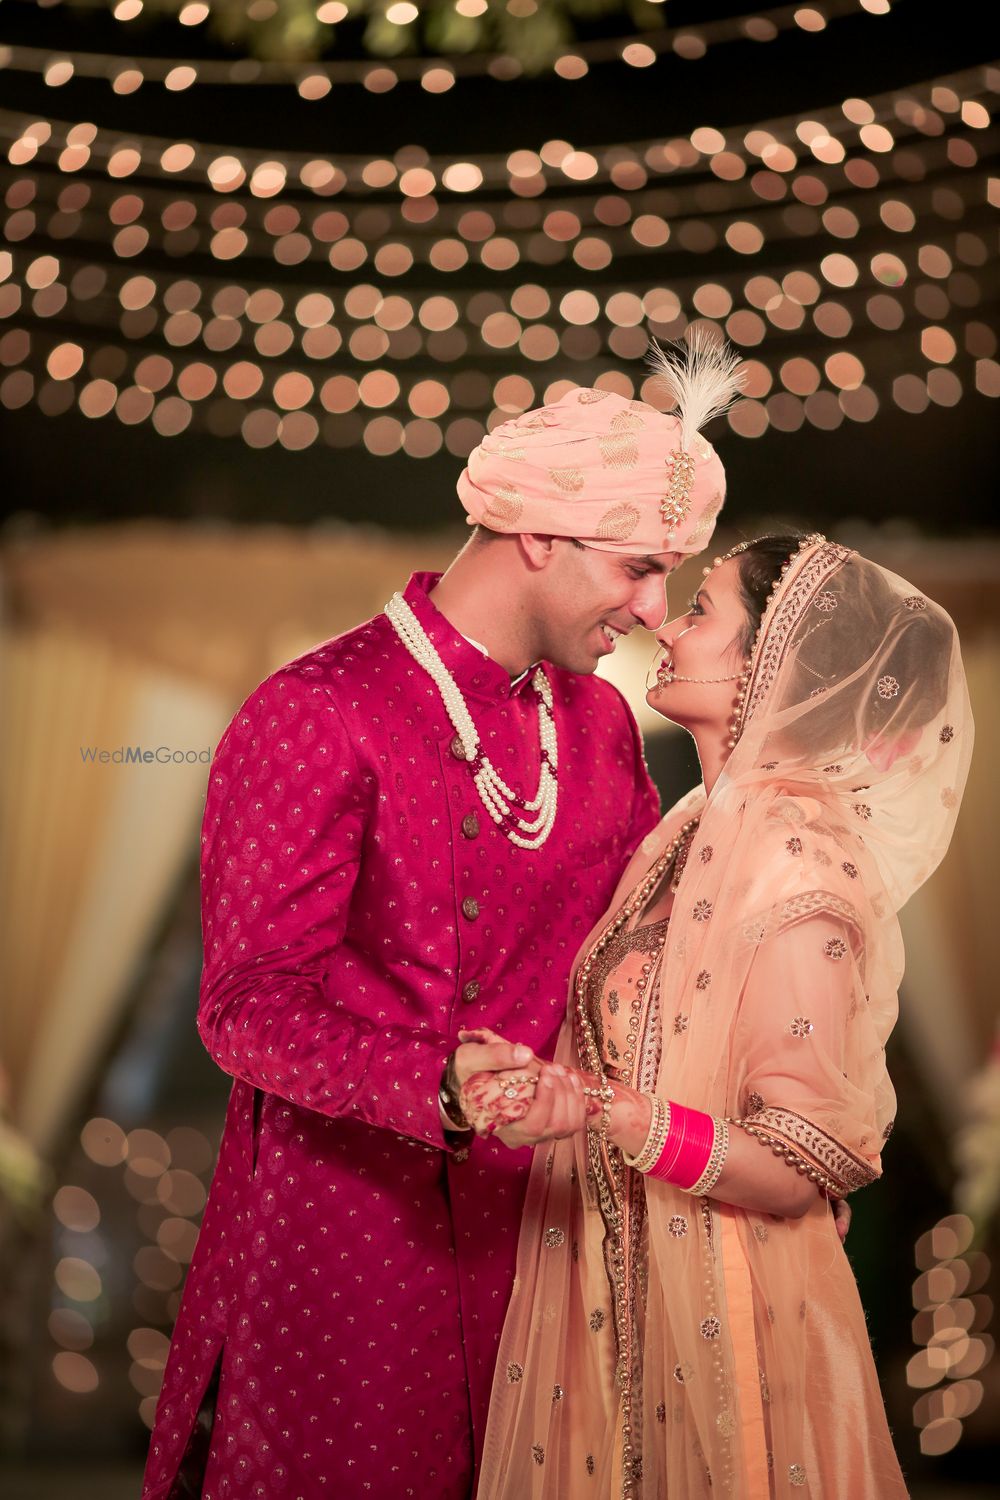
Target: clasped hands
x,y
507,1091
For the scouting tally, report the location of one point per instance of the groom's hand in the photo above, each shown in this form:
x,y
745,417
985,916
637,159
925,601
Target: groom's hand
x,y
559,1107
483,1051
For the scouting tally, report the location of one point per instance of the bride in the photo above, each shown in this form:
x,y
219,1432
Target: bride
x,y
684,1320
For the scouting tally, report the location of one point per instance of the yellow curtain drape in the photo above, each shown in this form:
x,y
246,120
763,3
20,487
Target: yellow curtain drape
x,y
92,851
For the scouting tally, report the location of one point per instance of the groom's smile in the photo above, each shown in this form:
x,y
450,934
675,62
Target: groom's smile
x,y
612,634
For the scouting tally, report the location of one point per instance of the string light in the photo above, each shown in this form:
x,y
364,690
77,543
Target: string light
x,y
419,420
164,1173
744,189
950,1332
374,323
637,50
774,148
590,231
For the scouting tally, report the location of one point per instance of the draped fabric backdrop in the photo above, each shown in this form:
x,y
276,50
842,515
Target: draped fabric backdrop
x,y
152,634
92,851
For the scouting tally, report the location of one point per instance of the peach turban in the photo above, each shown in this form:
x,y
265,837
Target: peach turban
x,y
615,474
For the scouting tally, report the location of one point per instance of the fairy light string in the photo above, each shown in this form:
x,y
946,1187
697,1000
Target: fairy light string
x,y
314,78
168,246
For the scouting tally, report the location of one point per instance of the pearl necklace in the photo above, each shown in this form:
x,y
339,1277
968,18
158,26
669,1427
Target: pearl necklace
x,y
499,800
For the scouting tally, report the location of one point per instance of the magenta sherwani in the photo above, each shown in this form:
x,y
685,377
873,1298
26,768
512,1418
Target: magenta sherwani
x,y
359,907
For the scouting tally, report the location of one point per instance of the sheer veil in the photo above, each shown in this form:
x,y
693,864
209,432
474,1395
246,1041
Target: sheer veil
x,y
723,1351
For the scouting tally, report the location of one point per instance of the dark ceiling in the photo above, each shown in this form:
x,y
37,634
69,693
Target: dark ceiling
x,y
935,468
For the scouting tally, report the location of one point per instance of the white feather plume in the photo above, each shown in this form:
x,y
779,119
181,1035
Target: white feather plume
x,y
700,375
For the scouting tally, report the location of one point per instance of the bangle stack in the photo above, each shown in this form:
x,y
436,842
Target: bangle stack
x,y
684,1147
716,1161
652,1147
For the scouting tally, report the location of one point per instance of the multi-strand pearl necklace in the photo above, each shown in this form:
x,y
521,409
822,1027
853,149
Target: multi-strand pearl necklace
x,y
503,804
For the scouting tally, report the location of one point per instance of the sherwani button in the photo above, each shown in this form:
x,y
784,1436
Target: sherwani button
x,y
471,991
470,908
458,747
470,826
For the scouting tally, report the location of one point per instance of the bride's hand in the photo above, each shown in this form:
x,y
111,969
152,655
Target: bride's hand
x,y
558,1109
491,1101
630,1115
496,1080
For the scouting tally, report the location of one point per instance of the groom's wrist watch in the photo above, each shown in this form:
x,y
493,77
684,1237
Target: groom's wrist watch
x,y
448,1097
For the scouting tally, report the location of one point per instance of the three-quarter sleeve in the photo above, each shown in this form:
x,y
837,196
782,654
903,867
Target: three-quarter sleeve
x,y
808,1064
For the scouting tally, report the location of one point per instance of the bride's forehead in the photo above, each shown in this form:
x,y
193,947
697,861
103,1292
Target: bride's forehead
x,y
722,581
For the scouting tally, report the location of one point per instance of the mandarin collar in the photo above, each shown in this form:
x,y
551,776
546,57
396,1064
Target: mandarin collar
x,y
475,673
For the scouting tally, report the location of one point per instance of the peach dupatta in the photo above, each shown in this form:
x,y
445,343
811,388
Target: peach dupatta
x,y
658,1345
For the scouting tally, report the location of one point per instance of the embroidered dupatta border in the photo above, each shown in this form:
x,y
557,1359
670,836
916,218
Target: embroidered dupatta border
x,y
783,614
817,1148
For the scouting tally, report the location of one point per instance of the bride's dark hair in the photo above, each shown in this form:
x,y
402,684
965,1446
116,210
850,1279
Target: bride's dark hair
x,y
758,568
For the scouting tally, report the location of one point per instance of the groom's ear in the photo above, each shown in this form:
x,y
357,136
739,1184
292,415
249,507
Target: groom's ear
x,y
540,550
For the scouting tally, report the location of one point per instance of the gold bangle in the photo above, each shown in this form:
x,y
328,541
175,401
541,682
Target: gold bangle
x,y
716,1161
652,1147
644,1149
659,1143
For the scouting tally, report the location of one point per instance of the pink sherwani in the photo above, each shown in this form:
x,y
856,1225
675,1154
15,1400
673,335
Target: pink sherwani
x,y
359,907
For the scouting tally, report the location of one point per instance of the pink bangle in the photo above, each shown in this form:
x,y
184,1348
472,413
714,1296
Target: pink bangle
x,y
688,1149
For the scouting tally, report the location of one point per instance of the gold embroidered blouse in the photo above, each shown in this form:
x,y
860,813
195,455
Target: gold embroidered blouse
x,y
617,999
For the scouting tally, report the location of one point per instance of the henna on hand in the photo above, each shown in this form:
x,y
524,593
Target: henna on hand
x,y
492,1100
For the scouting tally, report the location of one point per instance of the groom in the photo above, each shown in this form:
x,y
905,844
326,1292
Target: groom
x,y
409,831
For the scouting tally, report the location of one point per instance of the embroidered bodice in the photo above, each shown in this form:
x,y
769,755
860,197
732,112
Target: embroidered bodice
x,y
616,994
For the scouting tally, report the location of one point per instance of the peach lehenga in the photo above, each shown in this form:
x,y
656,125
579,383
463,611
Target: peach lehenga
x,y
662,1346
